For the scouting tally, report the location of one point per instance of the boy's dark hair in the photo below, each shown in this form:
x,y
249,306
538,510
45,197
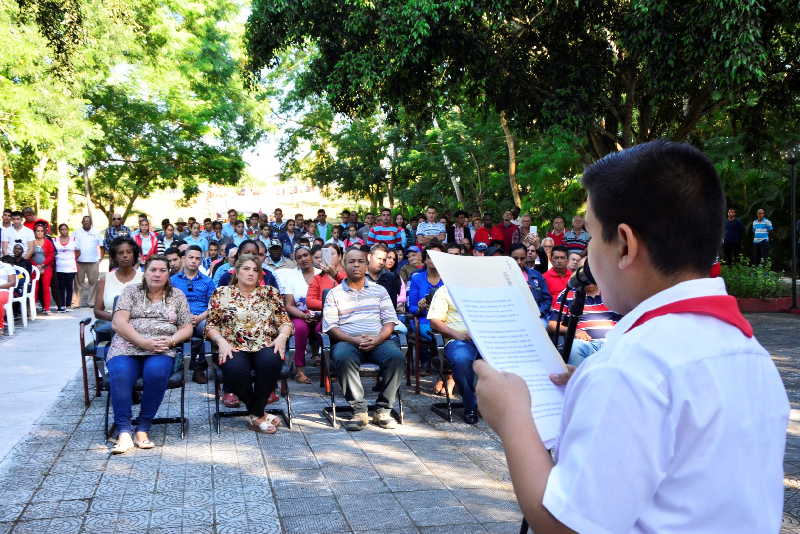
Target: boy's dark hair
x,y
196,248
560,248
658,189
434,244
172,250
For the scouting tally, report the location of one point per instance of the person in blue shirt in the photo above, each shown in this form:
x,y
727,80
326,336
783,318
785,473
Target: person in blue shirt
x,y
422,284
761,229
228,227
288,238
536,282
198,289
195,238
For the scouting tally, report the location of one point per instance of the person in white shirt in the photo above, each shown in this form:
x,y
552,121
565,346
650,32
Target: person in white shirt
x,y
90,252
678,424
66,266
17,233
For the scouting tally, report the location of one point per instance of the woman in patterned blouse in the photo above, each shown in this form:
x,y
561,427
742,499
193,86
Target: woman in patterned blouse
x,y
149,320
250,327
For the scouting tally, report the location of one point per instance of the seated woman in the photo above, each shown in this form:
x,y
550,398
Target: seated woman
x,y
149,321
250,327
124,253
293,285
330,276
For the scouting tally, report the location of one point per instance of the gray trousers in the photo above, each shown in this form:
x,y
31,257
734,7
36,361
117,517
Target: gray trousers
x,y
346,359
86,282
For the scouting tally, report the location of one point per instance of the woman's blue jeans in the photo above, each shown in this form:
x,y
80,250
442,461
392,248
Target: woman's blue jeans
x,y
123,372
461,354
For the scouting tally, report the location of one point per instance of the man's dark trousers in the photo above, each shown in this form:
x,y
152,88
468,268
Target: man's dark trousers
x,y
346,360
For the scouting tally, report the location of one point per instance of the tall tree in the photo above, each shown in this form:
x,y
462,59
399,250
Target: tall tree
x,y
179,113
614,73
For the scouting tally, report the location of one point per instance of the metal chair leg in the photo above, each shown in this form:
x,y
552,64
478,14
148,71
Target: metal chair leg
x,y
289,413
108,407
183,414
86,400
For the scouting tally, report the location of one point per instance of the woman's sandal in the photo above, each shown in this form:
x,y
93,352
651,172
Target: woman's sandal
x,y
268,426
124,444
301,378
144,443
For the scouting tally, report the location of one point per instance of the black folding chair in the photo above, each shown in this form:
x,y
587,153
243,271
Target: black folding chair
x,y
176,380
212,354
444,409
93,351
365,370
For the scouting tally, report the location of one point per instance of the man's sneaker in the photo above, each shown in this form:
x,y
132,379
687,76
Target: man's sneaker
x,y
199,376
384,419
359,421
230,400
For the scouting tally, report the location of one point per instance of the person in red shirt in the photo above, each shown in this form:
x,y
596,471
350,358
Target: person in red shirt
x,y
557,233
31,221
558,276
482,227
504,231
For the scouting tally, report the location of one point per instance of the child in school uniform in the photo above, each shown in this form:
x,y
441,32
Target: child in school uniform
x,y
678,424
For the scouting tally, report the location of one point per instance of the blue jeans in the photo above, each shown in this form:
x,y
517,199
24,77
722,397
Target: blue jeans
x,y
461,354
583,349
123,372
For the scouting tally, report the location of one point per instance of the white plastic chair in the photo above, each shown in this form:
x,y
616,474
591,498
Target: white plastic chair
x,y
35,277
23,300
8,309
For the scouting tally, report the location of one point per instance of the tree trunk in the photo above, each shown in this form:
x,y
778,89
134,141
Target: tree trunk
x,y
511,143
63,210
2,178
449,168
390,182
12,197
479,175
86,191
39,173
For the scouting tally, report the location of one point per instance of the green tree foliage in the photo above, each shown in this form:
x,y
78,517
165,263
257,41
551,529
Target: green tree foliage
x,y
144,94
576,80
614,73
177,116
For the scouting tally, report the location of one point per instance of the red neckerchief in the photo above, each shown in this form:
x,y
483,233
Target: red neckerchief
x,y
722,307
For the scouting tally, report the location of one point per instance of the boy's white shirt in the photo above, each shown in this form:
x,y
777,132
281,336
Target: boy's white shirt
x,y
676,426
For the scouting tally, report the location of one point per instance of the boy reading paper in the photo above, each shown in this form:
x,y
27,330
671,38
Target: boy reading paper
x,y
678,423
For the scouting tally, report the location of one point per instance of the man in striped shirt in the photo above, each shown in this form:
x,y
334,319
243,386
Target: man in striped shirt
x,y
385,232
761,229
593,325
430,229
359,317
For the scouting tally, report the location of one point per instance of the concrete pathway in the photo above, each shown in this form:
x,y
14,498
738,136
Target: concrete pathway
x,y
36,363
428,476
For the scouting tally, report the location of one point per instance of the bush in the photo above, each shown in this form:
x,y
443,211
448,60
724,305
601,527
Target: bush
x,y
744,280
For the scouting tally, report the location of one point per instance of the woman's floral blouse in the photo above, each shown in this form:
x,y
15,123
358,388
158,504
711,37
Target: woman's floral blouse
x,y
247,323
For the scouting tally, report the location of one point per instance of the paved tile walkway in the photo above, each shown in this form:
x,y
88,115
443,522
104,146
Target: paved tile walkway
x,y
427,476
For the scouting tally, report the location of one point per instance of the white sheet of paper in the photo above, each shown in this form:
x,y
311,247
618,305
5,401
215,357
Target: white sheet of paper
x,y
503,320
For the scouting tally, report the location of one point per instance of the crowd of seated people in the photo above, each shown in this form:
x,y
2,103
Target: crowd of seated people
x,y
298,261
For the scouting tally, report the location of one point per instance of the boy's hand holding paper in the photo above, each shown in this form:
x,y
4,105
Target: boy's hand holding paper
x,y
503,321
